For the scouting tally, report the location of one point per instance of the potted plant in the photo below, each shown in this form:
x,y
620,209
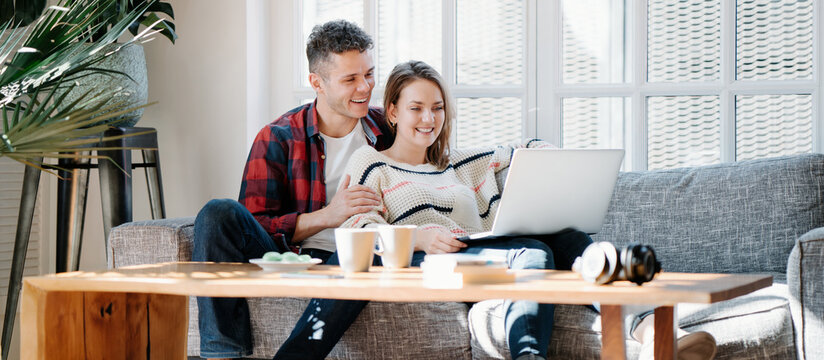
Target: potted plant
x,y
39,66
36,114
127,64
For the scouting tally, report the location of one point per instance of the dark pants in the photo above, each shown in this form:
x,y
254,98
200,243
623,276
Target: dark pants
x,y
225,231
528,324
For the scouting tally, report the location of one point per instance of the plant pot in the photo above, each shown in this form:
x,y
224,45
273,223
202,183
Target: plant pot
x,y
130,60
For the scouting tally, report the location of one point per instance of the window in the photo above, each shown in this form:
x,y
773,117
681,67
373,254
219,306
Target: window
x,y
675,83
479,46
680,83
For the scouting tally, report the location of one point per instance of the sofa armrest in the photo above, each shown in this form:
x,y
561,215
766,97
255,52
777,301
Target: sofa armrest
x,y
805,278
151,241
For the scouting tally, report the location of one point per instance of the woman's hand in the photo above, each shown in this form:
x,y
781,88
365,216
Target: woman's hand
x,y
433,241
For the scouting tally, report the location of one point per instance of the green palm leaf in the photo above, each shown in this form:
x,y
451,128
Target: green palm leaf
x,y
37,74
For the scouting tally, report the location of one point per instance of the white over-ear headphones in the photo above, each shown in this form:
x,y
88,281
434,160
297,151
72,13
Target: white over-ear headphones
x,y
602,263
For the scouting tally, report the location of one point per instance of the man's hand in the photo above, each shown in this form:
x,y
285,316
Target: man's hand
x,y
348,201
437,242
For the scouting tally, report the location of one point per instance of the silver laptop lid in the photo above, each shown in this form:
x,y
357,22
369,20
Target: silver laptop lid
x,y
549,190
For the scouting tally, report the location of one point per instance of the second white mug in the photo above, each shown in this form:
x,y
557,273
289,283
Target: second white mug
x,y
396,244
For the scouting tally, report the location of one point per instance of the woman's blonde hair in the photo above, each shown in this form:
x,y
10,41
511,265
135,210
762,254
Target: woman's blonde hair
x,y
404,74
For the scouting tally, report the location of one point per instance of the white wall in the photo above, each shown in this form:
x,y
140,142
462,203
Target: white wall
x,y
227,76
213,89
200,84
282,57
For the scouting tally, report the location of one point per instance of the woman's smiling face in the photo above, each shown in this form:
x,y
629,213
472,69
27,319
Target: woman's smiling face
x,y
418,115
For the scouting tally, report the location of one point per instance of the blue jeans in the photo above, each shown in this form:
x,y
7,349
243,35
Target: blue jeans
x,y
225,231
528,324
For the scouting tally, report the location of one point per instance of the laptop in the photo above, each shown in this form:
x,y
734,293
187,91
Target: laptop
x,y
550,190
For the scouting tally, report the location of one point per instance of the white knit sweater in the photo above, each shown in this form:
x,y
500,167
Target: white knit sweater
x,y
460,199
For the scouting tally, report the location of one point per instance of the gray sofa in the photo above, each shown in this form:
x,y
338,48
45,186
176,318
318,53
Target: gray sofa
x,y
761,216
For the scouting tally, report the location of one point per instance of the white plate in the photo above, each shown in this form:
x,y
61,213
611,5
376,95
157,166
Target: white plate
x,y
283,266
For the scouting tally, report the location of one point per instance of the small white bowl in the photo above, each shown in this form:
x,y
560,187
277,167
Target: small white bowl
x,y
284,266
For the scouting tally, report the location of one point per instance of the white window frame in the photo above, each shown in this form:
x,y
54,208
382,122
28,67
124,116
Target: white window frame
x,y
526,90
542,90
551,90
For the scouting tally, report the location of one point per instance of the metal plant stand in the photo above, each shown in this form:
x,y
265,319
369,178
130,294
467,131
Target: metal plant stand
x,y
116,201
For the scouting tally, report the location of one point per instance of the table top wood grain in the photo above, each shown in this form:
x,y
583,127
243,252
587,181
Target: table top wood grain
x,y
546,286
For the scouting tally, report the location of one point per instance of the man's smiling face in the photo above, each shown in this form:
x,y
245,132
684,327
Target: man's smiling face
x,y
346,83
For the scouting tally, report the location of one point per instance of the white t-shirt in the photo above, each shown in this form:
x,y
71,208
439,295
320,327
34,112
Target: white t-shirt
x,y
338,151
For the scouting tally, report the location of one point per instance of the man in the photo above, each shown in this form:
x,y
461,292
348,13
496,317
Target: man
x,y
289,194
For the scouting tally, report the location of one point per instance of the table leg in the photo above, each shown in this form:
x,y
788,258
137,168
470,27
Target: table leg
x,y
102,325
169,325
31,181
613,345
115,188
43,316
665,340
154,184
77,215
71,212
65,191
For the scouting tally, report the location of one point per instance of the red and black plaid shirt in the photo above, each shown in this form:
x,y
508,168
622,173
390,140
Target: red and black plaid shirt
x,y
284,172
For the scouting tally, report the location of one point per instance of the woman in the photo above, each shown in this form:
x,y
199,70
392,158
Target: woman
x,y
453,192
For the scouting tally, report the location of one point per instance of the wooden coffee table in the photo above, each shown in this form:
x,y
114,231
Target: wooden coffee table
x,y
142,311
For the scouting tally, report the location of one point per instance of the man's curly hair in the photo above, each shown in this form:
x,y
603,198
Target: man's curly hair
x,y
337,36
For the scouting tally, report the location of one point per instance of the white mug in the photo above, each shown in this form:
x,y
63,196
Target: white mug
x,y
354,248
396,244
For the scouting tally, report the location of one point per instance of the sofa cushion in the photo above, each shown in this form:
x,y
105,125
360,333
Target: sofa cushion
x,y
150,242
407,331
805,277
731,218
575,335
754,326
382,331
